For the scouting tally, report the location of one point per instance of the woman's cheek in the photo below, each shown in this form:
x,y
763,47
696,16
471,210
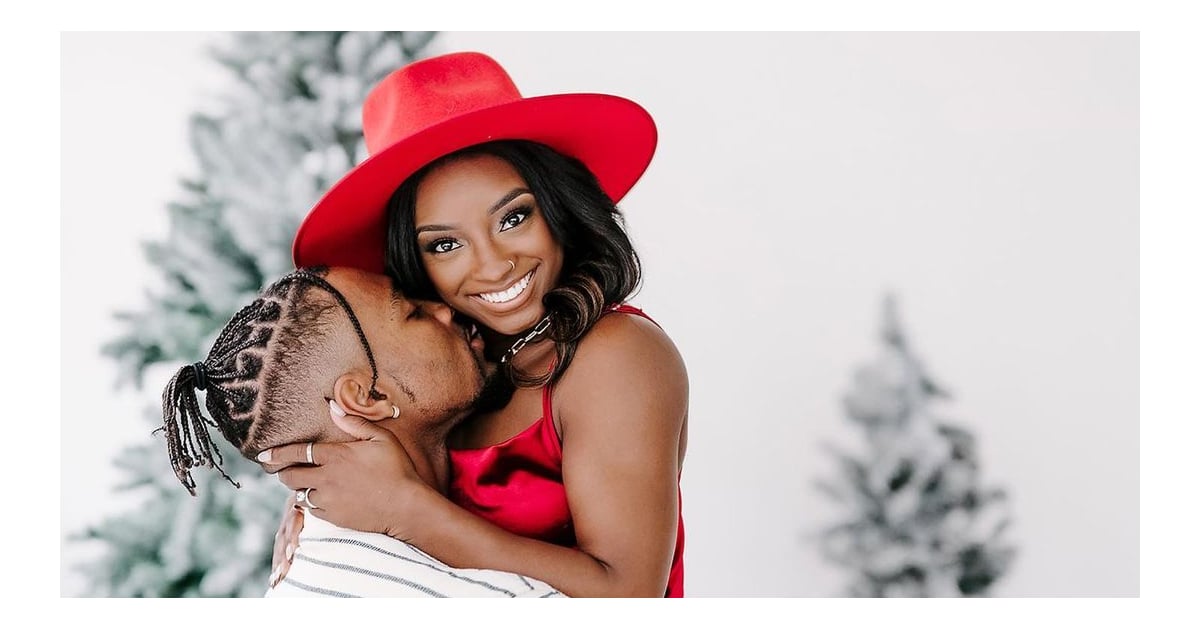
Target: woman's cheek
x,y
445,282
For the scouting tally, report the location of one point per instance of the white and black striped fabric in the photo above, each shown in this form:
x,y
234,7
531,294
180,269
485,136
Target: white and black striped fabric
x,y
335,562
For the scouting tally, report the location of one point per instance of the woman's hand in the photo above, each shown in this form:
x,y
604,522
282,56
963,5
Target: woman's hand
x,y
287,538
365,485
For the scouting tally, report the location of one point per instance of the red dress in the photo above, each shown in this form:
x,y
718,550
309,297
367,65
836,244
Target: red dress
x,y
517,484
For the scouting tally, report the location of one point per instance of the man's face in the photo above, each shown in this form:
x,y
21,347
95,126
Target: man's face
x,y
435,364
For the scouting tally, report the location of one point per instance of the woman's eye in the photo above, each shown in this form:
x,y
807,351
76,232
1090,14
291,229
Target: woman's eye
x,y
514,218
442,246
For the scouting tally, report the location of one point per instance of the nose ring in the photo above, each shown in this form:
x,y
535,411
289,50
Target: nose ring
x,y
513,265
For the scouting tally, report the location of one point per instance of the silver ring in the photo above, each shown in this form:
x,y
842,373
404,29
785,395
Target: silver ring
x,y
308,453
302,497
513,265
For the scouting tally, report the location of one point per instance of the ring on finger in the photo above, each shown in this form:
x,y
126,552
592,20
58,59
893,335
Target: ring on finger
x,y
308,453
302,498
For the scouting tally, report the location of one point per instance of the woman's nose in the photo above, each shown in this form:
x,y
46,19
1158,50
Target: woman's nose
x,y
492,264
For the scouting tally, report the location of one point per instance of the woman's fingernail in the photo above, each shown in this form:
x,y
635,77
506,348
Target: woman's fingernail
x,y
291,551
264,456
336,410
274,578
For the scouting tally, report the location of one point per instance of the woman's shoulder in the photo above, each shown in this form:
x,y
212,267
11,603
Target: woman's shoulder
x,y
624,328
625,345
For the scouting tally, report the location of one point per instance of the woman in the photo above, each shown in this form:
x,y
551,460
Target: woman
x,y
574,478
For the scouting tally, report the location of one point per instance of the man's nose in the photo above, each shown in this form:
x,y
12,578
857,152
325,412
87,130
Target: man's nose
x,y
441,311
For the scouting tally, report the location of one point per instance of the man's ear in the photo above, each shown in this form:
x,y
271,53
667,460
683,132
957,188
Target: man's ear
x,y
352,392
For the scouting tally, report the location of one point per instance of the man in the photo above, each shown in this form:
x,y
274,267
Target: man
x,y
300,351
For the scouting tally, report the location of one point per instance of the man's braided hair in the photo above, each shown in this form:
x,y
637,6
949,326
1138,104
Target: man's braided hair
x,y
250,386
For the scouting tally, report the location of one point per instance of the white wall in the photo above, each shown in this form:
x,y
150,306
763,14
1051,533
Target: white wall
x,y
990,179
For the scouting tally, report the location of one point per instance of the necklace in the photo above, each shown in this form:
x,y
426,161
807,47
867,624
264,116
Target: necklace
x,y
516,347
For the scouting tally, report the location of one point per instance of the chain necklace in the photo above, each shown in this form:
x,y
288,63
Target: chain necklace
x,y
516,347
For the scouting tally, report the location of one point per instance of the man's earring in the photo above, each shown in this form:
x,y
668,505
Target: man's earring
x,y
395,411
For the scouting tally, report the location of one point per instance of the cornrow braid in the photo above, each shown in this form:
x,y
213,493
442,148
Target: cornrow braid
x,y
312,278
230,386
231,377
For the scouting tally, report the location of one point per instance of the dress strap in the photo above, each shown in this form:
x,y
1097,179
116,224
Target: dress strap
x,y
547,407
630,310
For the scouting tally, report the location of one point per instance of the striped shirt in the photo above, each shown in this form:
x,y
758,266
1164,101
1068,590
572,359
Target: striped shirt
x,y
332,561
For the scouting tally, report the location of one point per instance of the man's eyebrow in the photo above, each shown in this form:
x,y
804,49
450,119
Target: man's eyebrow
x,y
503,201
397,298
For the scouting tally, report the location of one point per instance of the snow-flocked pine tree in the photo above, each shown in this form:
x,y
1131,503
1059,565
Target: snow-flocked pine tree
x,y
916,520
289,126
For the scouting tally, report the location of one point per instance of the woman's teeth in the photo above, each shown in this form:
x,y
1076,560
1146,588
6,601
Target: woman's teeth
x,y
510,293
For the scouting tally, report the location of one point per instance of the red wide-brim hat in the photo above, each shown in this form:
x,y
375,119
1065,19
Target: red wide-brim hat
x,y
433,107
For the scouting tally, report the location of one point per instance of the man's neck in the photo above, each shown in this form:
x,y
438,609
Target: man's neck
x,y
427,450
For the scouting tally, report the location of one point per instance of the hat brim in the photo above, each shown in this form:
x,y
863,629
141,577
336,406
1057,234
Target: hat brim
x,y
613,136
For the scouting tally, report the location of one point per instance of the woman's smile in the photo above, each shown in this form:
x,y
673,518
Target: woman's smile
x,y
505,298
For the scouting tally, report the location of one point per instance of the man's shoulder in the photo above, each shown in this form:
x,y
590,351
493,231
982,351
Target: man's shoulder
x,y
338,562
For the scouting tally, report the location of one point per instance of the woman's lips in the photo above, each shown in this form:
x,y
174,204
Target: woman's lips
x,y
509,294
509,299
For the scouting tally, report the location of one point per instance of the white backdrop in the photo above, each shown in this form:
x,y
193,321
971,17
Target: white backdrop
x,y
989,179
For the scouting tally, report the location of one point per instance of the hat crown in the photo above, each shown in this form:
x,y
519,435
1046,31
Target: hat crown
x,y
427,92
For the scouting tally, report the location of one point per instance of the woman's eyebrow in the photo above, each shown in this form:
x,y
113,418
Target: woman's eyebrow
x,y
435,228
503,201
512,194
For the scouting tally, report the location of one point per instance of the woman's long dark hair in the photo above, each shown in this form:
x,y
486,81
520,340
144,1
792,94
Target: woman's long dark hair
x,y
599,265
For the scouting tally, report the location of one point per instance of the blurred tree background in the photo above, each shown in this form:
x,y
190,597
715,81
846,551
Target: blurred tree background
x,y
916,520
287,128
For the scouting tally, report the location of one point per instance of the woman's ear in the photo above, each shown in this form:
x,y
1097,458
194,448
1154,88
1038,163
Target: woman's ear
x,y
352,392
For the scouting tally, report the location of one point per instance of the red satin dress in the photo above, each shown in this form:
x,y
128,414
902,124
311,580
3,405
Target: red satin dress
x,y
517,484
